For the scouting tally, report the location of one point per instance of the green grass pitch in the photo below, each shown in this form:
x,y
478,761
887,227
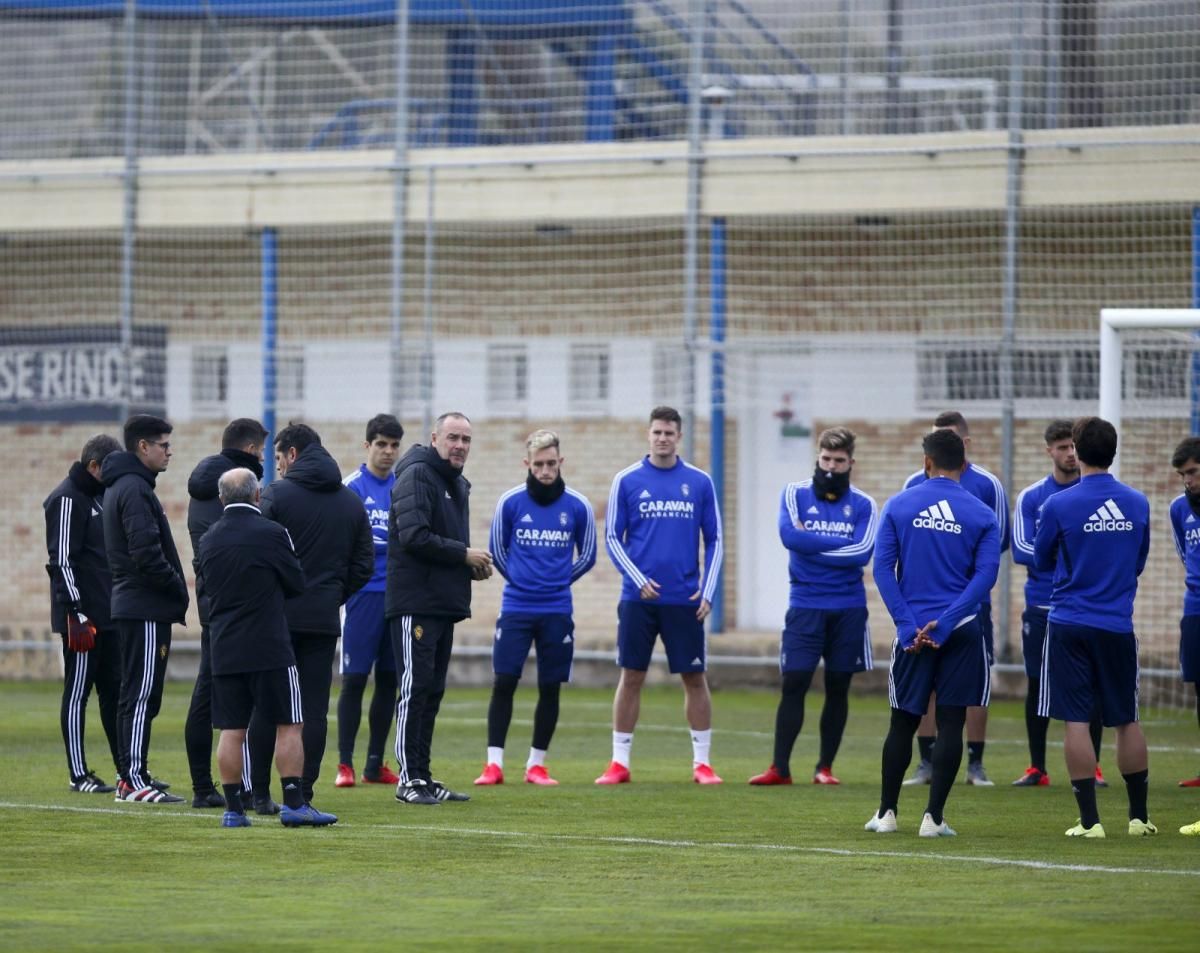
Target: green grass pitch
x,y
657,864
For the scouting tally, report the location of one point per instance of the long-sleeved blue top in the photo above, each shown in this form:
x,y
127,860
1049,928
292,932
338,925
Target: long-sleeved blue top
x,y
828,545
936,556
1185,527
540,550
376,495
656,518
1095,537
1024,528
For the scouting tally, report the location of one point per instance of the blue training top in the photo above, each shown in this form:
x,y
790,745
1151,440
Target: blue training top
x,y
936,557
827,555
1024,528
656,518
376,495
1185,527
534,547
984,485
1095,536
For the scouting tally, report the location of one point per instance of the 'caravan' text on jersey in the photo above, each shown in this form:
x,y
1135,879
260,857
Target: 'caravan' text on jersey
x,y
656,518
829,548
534,548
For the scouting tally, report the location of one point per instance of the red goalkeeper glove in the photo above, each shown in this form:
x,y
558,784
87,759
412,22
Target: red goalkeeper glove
x,y
81,632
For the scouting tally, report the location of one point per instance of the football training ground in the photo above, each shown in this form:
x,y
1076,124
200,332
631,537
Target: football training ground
x,y
657,864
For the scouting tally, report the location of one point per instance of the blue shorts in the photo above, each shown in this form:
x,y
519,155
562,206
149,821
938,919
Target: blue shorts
x,y
1189,648
1033,639
640,623
365,638
1086,669
985,626
552,632
841,636
958,671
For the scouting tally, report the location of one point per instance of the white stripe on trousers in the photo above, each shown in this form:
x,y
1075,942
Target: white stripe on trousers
x,y
75,703
138,733
1043,708
404,701
294,695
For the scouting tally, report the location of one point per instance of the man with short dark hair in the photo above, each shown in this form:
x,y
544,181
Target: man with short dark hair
x,y
365,639
1060,448
1095,537
149,594
431,565
248,568
543,540
986,487
80,595
1185,526
828,528
659,509
332,537
936,557
241,446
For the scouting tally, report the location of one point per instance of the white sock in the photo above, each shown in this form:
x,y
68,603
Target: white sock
x,y
701,743
622,746
495,756
537,756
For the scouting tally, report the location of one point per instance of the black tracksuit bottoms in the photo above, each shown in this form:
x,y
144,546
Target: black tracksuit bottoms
x,y
421,645
145,648
101,667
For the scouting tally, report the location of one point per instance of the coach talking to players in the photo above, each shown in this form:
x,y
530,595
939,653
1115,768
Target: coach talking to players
x,y
332,536
249,567
430,568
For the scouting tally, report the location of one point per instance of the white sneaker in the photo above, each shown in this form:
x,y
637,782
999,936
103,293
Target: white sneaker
x,y
930,829
881,825
1140,828
978,777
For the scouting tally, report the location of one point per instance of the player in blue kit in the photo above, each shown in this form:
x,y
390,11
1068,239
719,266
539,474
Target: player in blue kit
x,y
828,528
985,486
1185,526
365,639
1095,537
543,540
936,556
658,511
1060,448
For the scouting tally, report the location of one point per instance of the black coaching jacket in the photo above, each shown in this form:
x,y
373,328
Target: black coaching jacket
x,y
204,507
332,536
147,576
428,535
77,564
249,568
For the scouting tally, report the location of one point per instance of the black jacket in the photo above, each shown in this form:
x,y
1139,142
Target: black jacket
x,y
147,576
204,508
77,563
332,536
249,568
428,535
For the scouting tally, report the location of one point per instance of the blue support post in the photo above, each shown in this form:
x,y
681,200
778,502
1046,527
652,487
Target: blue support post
x,y
1196,335
270,274
601,97
464,101
717,417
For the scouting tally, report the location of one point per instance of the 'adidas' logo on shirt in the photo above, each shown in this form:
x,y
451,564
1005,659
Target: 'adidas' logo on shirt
x,y
644,495
526,518
812,509
939,516
1108,518
369,500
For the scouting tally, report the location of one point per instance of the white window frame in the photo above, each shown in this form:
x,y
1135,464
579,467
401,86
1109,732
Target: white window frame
x,y
589,385
208,404
507,379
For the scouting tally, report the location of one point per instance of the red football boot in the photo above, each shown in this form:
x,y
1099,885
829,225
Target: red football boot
x,y
539,775
824,776
492,774
1032,778
345,777
1190,782
703,774
771,776
615,773
385,776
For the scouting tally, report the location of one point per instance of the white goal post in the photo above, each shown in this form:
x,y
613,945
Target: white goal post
x,y
1112,322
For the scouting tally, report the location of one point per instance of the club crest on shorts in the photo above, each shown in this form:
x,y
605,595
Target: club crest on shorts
x,y
418,632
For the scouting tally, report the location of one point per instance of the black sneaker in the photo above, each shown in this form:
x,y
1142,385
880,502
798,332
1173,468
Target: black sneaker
x,y
152,795
209,798
160,785
415,792
443,793
90,784
266,807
